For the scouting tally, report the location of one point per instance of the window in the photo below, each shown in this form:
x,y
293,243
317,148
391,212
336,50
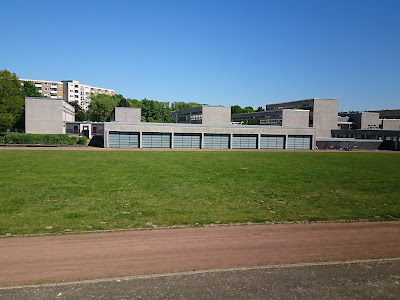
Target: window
x,y
76,129
94,130
46,83
46,89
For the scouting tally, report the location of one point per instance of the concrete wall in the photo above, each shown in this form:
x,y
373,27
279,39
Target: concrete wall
x,y
325,116
126,114
196,128
205,114
391,124
47,116
369,120
216,115
295,118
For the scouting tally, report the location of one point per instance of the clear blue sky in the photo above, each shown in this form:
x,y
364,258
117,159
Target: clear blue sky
x,y
215,52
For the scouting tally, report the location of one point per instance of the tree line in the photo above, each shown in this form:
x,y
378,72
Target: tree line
x,y
12,105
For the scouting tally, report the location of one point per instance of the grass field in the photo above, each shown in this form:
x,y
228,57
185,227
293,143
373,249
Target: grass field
x,y
94,190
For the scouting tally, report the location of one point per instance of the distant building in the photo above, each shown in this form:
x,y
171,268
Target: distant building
x,y
69,90
323,113
359,120
205,114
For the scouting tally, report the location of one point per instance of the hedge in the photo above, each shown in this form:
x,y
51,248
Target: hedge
x,y
44,139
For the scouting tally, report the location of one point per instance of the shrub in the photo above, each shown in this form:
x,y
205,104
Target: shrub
x,y
27,138
73,140
82,141
1,139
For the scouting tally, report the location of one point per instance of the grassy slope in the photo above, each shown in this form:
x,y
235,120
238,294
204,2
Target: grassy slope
x,y
77,189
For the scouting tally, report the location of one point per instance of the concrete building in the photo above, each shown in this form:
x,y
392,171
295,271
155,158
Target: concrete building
x,y
126,114
46,115
69,90
278,117
323,113
205,114
390,124
362,120
200,136
88,129
388,113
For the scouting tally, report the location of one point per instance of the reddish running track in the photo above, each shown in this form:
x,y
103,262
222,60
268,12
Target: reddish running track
x,y
33,260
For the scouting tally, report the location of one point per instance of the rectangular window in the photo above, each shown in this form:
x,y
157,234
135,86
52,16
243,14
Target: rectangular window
x,y
94,130
76,129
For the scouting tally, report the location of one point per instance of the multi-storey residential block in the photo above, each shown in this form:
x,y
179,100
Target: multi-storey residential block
x,y
80,93
69,90
50,89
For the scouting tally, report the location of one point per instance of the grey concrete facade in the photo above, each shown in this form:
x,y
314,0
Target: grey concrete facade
x,y
323,113
279,117
126,114
47,116
205,114
362,120
202,130
391,124
371,134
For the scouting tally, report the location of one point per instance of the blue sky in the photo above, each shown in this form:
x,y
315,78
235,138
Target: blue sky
x,y
248,53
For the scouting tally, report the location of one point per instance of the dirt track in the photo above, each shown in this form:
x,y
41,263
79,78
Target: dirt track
x,y
87,256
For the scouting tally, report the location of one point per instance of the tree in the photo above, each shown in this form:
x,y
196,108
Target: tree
x,y
260,108
155,111
236,109
117,98
30,90
248,109
6,121
100,108
123,103
79,113
12,102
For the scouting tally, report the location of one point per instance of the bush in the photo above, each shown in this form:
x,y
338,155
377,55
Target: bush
x,y
44,139
1,139
82,141
73,140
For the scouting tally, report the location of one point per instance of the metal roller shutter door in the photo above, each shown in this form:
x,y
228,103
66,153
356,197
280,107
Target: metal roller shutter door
x,y
299,142
187,140
244,141
113,139
123,139
272,142
216,141
156,140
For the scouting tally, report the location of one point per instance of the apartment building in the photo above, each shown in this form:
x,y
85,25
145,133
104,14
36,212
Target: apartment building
x,y
80,93
49,89
69,90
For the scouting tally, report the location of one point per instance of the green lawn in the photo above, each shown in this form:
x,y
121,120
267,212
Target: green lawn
x,y
92,190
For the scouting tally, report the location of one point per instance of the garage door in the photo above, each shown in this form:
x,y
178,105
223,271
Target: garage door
x,y
156,140
299,142
216,141
123,139
272,142
187,140
244,141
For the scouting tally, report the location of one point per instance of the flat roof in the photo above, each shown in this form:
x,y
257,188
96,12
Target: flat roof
x,y
202,125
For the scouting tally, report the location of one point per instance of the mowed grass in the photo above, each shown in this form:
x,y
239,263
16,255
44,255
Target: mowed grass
x,y
96,190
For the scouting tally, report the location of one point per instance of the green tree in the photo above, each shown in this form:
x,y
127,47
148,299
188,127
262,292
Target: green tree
x,y
79,113
155,111
100,108
124,103
12,102
30,90
260,108
117,98
248,109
